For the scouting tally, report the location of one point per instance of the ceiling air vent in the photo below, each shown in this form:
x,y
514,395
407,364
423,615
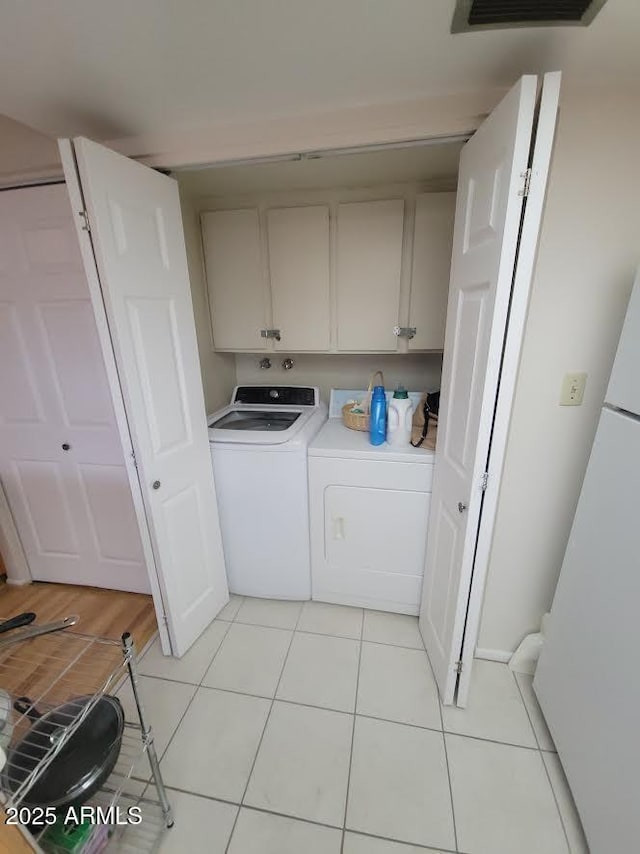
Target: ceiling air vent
x,y
472,15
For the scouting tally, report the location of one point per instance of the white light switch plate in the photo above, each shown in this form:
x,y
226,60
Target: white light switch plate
x,y
572,389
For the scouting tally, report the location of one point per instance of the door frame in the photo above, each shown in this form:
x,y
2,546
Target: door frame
x,y
104,336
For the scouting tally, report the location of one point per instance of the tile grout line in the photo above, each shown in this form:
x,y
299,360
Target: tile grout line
x,y
429,848
353,732
544,764
182,717
358,714
526,708
311,821
193,696
446,759
264,728
555,799
343,712
324,634
149,781
535,733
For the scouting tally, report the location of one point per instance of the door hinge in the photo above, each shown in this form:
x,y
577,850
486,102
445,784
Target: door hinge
x,y
526,183
85,219
484,480
458,666
133,457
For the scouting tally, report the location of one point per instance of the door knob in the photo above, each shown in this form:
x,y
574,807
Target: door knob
x,y
461,507
66,446
156,484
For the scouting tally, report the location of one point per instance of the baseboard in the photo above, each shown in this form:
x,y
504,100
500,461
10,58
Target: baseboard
x,y
493,655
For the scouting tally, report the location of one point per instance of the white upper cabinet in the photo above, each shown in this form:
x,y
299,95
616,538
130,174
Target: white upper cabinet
x,y
299,270
329,273
430,269
238,296
369,269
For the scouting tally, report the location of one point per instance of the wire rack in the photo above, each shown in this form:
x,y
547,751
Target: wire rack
x,y
76,671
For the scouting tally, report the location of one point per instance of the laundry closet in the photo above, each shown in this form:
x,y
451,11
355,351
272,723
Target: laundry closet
x,y
337,261
319,271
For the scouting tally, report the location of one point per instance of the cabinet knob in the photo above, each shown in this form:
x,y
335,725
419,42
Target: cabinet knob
x,y
461,507
66,446
156,484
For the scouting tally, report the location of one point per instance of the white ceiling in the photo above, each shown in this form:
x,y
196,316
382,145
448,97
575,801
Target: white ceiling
x,y
118,68
436,164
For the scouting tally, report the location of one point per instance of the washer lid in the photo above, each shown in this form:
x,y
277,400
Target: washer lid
x,y
271,421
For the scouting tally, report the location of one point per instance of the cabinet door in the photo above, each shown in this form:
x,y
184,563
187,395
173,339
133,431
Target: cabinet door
x,y
369,265
432,239
298,239
375,530
235,278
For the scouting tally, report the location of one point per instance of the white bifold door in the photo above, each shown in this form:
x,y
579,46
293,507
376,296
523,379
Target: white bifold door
x,y
62,465
131,237
491,237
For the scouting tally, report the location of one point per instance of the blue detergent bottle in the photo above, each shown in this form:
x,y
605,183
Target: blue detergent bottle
x,y
378,416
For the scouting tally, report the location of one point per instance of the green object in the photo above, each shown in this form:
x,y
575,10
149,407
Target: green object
x,y
66,837
401,393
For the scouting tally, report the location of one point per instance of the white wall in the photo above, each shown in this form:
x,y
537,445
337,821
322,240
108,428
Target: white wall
x,y
417,372
25,154
218,369
590,245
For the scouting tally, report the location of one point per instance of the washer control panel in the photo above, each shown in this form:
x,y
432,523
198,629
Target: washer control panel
x,y
283,395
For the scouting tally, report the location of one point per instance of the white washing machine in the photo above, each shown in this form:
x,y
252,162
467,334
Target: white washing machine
x,y
259,451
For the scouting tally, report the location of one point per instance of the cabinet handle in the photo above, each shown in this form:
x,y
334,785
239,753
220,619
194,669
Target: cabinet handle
x,y
338,528
405,331
270,333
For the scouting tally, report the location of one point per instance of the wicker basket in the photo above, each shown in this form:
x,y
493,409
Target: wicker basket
x,y
360,420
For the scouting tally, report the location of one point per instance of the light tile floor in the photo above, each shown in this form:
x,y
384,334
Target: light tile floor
x,y
294,728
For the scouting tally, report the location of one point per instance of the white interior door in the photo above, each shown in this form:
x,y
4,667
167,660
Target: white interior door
x,y
485,241
138,245
61,459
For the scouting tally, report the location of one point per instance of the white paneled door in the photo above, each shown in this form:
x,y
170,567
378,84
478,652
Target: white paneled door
x,y
485,243
138,248
61,460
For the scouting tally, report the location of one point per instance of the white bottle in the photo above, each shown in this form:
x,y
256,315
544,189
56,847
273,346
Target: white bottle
x,y
399,418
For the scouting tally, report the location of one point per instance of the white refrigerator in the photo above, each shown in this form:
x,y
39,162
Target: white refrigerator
x,y
588,677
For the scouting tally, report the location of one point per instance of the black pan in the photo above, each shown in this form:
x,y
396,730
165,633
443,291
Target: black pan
x,y
83,764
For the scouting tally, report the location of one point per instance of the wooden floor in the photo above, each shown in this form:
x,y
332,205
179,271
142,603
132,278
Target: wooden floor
x,y
103,613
